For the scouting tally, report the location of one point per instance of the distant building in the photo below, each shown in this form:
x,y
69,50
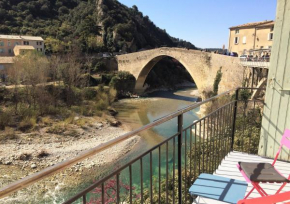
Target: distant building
x,y
8,42
5,62
245,38
22,49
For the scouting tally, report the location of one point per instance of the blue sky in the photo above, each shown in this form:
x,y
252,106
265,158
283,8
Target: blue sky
x,y
204,23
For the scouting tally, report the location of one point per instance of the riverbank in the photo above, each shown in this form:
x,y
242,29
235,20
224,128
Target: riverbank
x,y
32,152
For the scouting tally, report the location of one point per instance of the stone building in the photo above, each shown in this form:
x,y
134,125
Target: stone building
x,y
247,37
8,42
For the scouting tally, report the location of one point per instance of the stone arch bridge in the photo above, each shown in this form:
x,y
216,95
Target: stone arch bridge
x,y
202,67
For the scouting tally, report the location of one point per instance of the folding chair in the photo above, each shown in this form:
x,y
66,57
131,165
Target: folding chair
x,y
256,173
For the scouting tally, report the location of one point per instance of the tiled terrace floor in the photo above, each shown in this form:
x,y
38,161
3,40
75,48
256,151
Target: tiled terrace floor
x,y
229,169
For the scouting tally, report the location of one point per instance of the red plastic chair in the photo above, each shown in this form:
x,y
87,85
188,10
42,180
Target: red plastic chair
x,y
256,173
281,197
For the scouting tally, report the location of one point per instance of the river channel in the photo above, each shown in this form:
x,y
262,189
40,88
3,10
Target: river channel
x,y
134,113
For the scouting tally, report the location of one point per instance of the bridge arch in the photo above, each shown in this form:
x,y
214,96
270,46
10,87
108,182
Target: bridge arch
x,y
201,66
140,80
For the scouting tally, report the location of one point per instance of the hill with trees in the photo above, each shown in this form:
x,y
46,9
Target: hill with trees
x,y
94,26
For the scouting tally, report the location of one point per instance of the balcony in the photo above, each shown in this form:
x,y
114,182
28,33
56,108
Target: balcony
x,y
256,62
228,169
213,144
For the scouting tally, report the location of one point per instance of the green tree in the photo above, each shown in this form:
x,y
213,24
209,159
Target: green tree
x,y
124,83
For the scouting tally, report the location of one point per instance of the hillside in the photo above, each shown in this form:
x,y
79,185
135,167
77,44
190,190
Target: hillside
x,y
101,25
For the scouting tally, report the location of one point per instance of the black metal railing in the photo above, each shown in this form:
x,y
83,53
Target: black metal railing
x,y
164,173
195,149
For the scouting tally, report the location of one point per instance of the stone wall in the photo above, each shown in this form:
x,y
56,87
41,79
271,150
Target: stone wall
x,y
201,66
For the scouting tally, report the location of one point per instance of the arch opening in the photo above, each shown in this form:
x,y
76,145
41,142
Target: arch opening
x,y
163,71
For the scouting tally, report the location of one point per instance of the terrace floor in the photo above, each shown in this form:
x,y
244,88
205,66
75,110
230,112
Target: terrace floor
x,y
229,169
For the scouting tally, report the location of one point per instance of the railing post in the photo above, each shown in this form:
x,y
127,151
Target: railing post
x,y
234,118
180,122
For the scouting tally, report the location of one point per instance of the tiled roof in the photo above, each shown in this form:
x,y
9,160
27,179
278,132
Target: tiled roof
x,y
254,24
6,60
271,23
21,37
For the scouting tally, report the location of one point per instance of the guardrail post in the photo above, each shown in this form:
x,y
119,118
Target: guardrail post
x,y
180,123
234,118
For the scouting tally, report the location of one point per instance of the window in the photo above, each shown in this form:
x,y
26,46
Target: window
x,y
1,43
270,47
272,29
1,67
16,43
2,50
244,39
236,40
38,43
270,36
40,49
261,47
237,31
25,42
9,43
9,51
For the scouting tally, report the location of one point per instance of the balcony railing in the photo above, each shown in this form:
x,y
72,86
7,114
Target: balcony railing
x,y
262,62
164,173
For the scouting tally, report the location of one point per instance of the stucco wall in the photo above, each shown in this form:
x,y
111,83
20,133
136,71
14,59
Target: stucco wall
x,y
20,42
261,39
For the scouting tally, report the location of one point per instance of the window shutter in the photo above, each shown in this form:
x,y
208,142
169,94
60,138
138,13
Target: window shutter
x,y
269,36
244,39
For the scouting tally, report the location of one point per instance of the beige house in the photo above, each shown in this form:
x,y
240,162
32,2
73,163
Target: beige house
x,y
22,49
5,63
245,38
8,42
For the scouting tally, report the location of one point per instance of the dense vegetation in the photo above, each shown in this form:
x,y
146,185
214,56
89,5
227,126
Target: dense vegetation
x,y
70,27
56,87
66,22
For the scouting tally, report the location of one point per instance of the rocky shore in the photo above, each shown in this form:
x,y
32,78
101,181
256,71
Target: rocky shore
x,y
32,152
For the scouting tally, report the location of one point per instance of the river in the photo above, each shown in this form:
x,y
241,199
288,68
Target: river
x,y
134,113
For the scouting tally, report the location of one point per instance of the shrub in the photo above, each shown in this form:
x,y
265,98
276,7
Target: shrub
x,y
9,134
124,83
217,80
5,119
106,78
89,93
57,129
24,111
101,105
70,119
99,67
27,124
